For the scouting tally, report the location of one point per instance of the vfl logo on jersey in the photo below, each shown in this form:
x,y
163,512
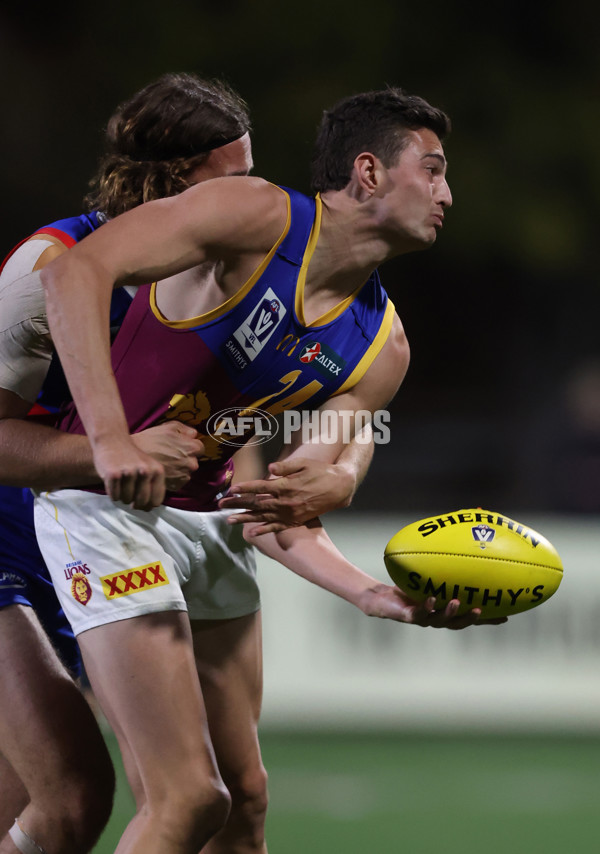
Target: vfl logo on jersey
x,y
252,335
81,589
483,534
134,580
323,358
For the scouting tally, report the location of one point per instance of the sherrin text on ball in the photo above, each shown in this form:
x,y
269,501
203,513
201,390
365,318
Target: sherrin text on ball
x,y
480,557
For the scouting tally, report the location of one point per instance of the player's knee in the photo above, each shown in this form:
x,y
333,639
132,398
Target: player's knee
x,y
73,816
250,800
86,801
194,813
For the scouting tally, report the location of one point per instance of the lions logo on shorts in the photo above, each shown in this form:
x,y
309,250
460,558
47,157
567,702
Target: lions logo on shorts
x,y
81,588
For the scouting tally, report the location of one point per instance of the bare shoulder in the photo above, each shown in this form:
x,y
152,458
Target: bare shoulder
x,y
235,220
396,349
245,211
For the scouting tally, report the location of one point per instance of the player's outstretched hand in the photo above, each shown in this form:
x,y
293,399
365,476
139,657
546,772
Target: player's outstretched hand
x,y
129,475
298,490
392,604
174,445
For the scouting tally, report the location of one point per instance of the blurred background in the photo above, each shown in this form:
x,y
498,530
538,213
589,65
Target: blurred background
x,y
500,408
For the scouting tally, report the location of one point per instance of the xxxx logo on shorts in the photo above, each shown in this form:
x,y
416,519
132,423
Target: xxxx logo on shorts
x,y
134,580
81,588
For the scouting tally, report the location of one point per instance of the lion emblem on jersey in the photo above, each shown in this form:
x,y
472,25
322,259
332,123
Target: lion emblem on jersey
x,y
81,588
191,409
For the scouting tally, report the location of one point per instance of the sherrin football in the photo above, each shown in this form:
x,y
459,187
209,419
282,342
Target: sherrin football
x,y
483,558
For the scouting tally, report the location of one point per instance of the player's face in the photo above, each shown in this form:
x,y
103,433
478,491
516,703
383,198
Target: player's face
x,y
235,158
415,191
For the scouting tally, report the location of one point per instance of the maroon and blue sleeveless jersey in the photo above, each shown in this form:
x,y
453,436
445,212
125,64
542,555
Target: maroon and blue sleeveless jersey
x,y
254,351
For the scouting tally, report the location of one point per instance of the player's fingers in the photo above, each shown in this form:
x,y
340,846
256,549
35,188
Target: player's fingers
x,y
237,501
267,528
198,448
242,518
254,487
470,618
126,488
282,468
444,619
112,486
422,613
141,494
185,430
157,489
253,516
246,501
145,489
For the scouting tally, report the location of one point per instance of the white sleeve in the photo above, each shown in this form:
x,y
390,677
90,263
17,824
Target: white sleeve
x,y
25,345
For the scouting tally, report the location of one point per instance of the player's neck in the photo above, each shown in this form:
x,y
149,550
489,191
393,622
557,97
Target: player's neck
x,y
355,234
346,252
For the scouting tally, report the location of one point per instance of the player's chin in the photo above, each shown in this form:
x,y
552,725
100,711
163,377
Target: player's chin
x,y
426,239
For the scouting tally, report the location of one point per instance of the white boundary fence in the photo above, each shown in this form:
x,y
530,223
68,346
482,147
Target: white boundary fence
x,y
327,665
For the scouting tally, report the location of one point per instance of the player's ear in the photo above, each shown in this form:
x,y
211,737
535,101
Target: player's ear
x,y
366,168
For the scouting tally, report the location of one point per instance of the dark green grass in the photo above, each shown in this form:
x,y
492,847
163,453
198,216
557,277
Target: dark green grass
x,y
372,794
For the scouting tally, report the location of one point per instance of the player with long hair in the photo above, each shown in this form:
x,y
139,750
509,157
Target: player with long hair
x,y
174,132
238,266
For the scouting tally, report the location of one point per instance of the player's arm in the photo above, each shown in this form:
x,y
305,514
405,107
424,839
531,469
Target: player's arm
x,y
36,455
328,472
41,457
233,220
299,488
309,552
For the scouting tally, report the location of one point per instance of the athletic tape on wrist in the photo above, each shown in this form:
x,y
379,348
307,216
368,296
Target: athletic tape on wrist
x,y
23,841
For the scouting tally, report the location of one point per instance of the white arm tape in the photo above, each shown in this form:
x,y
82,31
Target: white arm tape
x,y
24,259
23,842
25,345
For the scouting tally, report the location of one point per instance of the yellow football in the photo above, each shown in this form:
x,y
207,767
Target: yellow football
x,y
483,558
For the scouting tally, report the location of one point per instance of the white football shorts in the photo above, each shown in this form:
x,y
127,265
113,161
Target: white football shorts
x,y
109,562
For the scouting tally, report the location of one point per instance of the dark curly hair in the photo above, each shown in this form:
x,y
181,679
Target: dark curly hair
x,y
372,121
159,136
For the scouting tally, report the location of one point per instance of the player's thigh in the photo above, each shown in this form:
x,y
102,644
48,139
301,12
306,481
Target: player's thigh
x,y
44,718
229,661
143,673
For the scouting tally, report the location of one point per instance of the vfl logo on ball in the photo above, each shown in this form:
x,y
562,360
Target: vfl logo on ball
x,y
81,589
323,358
252,335
483,535
239,426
